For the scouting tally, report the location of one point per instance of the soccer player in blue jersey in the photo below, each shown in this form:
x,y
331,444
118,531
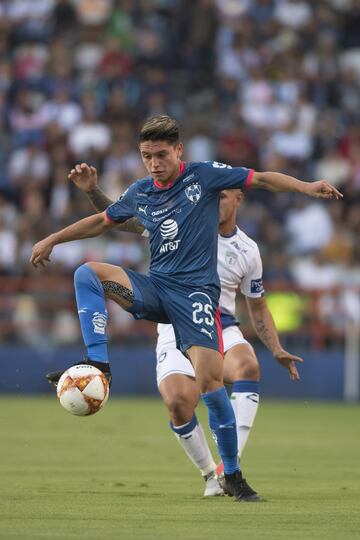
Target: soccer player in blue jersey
x,y
179,205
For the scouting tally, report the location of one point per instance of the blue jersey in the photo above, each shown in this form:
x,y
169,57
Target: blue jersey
x,y
182,219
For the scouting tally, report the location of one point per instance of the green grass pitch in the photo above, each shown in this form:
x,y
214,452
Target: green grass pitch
x,y
121,475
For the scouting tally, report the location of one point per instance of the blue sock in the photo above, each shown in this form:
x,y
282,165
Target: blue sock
x,y
223,426
186,428
92,312
245,386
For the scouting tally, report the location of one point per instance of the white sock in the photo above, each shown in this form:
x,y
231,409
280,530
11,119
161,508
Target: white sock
x,y
245,405
192,438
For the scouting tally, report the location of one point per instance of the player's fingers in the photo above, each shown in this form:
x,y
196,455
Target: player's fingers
x,y
294,374
336,192
85,167
78,169
92,169
331,190
297,359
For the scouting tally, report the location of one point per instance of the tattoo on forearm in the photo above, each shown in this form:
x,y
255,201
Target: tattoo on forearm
x,y
98,199
265,334
100,202
118,290
132,225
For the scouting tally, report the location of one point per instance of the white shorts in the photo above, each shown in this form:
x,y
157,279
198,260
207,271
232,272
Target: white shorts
x,y
170,360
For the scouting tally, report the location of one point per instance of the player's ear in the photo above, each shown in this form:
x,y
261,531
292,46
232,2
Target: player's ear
x,y
180,149
239,197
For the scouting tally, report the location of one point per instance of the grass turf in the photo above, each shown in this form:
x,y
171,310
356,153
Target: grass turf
x,y
121,475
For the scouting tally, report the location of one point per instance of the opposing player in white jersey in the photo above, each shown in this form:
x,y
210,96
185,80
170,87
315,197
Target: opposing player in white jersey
x,y
239,266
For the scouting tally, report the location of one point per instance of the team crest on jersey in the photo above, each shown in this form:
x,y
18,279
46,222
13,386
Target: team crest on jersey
x,y
231,258
193,193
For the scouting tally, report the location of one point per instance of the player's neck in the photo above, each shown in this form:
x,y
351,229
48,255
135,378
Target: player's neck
x,y
170,181
228,228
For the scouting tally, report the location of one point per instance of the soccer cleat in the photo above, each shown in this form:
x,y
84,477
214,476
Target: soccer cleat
x,y
54,376
212,486
236,486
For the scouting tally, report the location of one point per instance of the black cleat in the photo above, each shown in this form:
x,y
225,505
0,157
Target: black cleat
x,y
54,376
236,486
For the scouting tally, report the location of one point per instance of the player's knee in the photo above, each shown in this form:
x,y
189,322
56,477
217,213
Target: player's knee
x,y
83,275
180,407
250,370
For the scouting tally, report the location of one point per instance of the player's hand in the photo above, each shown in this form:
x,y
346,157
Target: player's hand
x,y
41,252
322,189
289,362
84,177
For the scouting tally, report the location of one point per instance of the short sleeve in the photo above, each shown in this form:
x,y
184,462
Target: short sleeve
x,y
123,208
252,284
222,176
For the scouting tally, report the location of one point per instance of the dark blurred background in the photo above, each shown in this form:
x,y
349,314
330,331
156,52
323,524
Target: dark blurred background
x,y
272,85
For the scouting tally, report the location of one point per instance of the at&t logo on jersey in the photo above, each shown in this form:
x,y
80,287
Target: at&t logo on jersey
x,y
193,193
169,230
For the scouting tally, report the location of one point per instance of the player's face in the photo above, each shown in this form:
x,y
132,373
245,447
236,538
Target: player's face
x,y
230,200
162,160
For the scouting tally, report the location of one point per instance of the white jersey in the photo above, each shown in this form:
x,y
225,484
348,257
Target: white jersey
x,y
239,266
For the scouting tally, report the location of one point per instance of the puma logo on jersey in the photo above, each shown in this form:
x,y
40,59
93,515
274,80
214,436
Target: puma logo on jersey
x,y
142,209
207,332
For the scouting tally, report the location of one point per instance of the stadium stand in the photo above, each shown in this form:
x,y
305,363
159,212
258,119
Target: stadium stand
x,y
272,85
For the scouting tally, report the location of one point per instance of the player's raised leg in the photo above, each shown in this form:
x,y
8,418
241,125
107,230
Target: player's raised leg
x,y
93,282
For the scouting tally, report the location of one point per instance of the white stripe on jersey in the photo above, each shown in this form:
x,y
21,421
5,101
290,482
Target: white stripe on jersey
x,y
239,265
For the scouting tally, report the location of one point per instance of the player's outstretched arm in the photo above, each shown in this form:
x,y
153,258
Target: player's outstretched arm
x,y
85,178
85,228
265,329
274,181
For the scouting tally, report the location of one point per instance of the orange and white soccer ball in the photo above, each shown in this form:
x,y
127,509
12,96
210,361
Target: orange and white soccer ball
x,y
83,390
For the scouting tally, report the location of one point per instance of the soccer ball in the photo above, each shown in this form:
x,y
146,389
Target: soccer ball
x,y
83,390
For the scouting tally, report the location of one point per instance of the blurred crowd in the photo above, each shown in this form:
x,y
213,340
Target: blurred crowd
x,y
269,84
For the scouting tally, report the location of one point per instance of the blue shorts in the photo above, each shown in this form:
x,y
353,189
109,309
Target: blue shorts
x,y
193,311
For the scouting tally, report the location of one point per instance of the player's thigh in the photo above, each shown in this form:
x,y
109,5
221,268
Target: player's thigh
x,y
115,281
195,317
240,363
208,366
175,376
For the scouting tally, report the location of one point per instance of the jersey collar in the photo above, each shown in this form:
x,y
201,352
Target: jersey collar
x,y
170,184
229,235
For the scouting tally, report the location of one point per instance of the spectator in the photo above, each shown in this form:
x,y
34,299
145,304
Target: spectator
x,y
270,84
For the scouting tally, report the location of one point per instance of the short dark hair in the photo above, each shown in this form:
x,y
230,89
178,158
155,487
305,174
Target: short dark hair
x,y
160,128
